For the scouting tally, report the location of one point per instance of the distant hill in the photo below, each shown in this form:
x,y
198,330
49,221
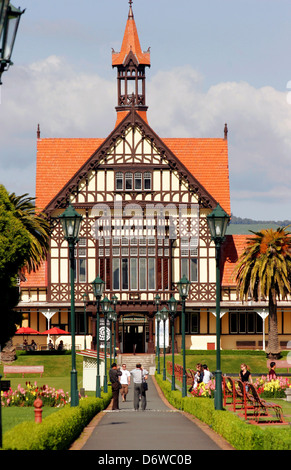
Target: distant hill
x,y
241,226
278,223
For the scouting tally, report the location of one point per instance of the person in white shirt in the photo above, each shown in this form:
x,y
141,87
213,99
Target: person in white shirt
x,y
124,381
207,375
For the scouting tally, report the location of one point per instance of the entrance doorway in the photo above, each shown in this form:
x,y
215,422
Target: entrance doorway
x,y
133,339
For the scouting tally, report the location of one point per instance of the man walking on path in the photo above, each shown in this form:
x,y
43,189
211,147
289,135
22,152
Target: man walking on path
x,y
139,377
124,381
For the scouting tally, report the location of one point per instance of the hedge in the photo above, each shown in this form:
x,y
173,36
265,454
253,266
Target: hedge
x,y
240,434
59,430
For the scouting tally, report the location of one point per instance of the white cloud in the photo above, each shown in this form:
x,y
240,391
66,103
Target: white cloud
x,y
70,103
259,134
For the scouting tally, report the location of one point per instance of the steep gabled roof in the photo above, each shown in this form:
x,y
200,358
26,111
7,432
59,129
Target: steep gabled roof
x,y
57,160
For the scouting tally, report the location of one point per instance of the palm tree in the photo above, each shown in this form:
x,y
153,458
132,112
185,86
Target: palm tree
x,y
263,272
37,227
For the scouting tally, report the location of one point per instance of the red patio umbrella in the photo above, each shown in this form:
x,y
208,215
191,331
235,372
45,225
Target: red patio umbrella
x,y
26,330
55,331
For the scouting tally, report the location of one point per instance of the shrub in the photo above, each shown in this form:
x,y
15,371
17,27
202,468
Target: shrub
x,y
59,430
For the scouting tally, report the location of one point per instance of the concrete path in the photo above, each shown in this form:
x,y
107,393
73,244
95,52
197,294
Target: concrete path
x,y
160,427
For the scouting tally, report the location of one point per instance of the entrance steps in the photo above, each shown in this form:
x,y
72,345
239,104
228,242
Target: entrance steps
x,y
146,360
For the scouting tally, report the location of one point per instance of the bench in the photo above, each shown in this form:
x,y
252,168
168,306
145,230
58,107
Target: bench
x,y
282,364
232,390
262,408
23,370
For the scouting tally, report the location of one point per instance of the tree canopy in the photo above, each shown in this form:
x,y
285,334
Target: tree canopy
x,y
24,243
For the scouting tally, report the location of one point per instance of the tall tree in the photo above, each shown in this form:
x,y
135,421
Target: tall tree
x,y
24,242
37,228
263,272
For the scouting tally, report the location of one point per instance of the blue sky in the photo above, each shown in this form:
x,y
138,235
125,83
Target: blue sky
x,y
211,62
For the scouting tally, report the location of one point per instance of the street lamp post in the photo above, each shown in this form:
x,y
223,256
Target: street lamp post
x,y
164,316
71,222
172,304
114,300
183,287
105,308
85,299
9,22
98,287
217,222
158,318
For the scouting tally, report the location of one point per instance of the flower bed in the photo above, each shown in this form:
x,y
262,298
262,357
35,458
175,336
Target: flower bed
x,y
26,396
266,388
204,390
274,388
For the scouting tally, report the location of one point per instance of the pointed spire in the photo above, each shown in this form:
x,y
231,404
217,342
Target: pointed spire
x,y
130,13
131,43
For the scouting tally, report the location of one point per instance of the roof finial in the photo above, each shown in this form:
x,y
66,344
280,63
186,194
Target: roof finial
x,y
130,14
38,131
225,131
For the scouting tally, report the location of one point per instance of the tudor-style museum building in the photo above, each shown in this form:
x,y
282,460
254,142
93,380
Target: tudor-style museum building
x,y
144,201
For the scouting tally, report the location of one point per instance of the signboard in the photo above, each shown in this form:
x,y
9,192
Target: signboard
x,y
102,332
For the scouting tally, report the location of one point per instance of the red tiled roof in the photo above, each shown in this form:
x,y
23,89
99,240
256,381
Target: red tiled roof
x,y
232,248
36,279
57,161
207,160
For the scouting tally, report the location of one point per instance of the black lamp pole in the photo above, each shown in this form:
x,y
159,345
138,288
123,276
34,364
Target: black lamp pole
x,y
98,287
217,222
71,222
105,308
183,287
114,300
172,304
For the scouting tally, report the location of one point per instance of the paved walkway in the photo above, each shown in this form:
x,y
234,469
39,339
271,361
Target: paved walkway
x,y
159,427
